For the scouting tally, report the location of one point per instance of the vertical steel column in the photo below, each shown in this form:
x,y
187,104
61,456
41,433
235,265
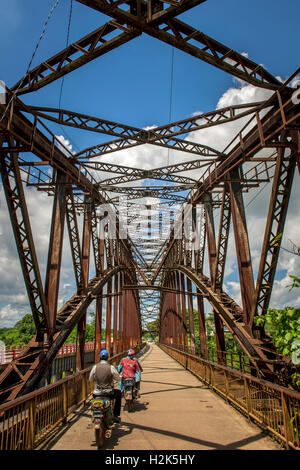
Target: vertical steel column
x,y
212,256
278,206
116,304
98,328
125,315
121,311
173,307
177,284
86,243
21,226
242,244
202,329
108,317
183,310
55,249
191,316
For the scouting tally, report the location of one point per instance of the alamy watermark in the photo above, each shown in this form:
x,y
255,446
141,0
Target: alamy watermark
x,y
151,221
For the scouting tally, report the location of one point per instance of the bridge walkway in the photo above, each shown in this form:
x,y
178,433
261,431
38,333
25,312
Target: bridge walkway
x,y
175,412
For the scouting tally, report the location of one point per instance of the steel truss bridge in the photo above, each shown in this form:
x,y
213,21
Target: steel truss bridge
x,y
140,279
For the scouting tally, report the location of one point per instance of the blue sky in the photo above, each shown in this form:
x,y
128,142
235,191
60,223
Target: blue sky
x,y
132,85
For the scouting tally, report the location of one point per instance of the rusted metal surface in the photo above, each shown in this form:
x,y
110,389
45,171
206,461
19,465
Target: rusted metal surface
x,y
139,281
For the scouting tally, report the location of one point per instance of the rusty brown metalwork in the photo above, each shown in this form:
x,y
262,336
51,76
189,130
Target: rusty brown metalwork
x,y
138,281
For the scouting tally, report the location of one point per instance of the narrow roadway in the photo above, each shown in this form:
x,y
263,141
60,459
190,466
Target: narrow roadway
x,y
175,412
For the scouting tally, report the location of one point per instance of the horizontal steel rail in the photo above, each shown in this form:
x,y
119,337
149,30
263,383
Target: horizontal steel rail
x,y
275,408
27,421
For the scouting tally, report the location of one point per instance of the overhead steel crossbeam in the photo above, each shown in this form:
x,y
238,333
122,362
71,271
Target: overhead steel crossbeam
x,y
135,174
81,52
95,44
182,36
201,121
161,136
129,133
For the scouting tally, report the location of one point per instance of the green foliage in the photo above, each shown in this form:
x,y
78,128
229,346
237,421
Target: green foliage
x,y
284,328
153,328
20,334
296,282
24,330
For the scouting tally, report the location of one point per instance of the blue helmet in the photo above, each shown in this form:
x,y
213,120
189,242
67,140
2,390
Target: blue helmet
x,y
104,354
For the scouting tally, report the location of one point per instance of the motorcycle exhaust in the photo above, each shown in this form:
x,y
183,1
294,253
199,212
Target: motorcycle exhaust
x,y
108,433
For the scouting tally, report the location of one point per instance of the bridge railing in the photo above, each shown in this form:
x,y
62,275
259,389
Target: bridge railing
x,y
275,408
28,420
10,353
234,360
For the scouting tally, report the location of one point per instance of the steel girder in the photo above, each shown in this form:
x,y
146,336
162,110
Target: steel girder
x,y
24,373
265,134
129,133
180,35
16,202
123,258
89,48
282,186
231,314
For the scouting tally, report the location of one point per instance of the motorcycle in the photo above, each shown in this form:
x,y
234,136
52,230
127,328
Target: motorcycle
x,y
102,418
129,393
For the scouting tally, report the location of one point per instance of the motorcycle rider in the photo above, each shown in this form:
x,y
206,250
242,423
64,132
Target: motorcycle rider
x,y
104,375
128,367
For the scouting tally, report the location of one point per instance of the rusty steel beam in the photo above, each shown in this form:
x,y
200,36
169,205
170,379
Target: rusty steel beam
x,y
279,200
74,239
270,127
223,238
212,257
89,48
182,36
86,244
260,352
55,250
17,207
242,245
129,133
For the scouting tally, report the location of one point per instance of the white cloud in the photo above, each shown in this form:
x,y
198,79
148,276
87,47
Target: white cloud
x,y
66,146
13,299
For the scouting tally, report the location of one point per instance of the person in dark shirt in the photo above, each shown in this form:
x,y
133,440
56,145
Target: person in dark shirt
x,y
104,375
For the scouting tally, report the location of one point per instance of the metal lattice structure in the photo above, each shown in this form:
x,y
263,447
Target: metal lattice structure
x,y
139,280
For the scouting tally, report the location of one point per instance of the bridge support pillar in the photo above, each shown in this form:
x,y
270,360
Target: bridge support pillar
x,y
55,249
242,244
212,256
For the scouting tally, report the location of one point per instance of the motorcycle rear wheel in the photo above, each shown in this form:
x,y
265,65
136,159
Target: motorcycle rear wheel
x,y
99,437
129,405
